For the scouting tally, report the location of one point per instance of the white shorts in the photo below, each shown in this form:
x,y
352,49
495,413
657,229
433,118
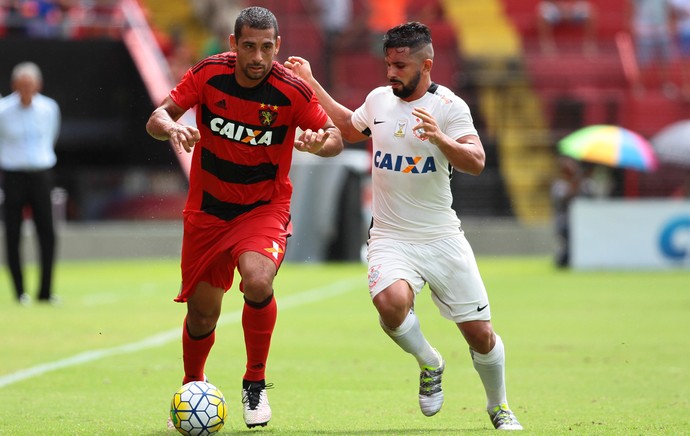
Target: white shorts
x,y
447,265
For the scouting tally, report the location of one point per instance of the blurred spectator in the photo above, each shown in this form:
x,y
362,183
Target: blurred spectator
x,y
426,12
173,45
217,42
650,24
683,190
335,17
96,19
29,127
383,15
13,23
60,18
180,55
572,182
219,17
556,13
35,18
681,12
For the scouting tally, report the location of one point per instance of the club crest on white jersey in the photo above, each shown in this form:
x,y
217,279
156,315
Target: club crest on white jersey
x,y
400,128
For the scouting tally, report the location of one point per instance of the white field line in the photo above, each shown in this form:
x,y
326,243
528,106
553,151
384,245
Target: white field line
x,y
297,300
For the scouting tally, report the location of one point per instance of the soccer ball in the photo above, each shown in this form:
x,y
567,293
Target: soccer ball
x,y
198,408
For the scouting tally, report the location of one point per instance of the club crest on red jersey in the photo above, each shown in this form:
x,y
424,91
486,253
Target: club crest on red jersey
x,y
268,114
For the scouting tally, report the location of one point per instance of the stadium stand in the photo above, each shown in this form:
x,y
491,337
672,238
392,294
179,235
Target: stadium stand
x,y
576,89
492,62
523,101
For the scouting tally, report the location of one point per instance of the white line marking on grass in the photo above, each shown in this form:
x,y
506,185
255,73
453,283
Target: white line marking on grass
x,y
163,338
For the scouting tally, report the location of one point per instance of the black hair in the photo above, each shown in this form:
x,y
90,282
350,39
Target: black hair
x,y
255,17
414,35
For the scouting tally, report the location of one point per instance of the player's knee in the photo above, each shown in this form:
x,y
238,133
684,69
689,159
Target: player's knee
x,y
200,323
391,318
257,287
392,309
479,335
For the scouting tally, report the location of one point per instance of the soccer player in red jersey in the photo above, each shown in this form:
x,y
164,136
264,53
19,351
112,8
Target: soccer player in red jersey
x,y
237,214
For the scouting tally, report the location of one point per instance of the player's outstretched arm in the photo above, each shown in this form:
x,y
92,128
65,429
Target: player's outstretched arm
x,y
325,142
341,116
163,125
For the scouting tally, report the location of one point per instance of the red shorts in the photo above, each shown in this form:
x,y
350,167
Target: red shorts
x,y
211,247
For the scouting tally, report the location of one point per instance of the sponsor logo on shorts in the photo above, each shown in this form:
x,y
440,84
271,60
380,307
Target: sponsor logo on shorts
x,y
275,250
374,275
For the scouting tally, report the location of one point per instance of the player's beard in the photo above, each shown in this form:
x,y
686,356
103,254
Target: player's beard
x,y
253,74
408,90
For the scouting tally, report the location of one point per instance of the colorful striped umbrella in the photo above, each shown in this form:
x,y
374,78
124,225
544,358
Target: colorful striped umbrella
x,y
610,145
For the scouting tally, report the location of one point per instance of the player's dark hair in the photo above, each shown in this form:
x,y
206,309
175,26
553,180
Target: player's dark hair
x,y
414,35
256,17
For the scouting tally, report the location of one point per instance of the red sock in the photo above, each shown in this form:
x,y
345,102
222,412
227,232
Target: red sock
x,y
258,325
194,354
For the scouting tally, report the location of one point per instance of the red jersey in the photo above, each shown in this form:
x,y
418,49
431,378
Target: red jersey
x,y
243,158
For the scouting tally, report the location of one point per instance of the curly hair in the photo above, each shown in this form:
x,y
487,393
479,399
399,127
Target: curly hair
x,y
414,35
255,17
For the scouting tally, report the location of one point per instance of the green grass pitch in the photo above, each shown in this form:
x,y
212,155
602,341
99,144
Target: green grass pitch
x,y
595,353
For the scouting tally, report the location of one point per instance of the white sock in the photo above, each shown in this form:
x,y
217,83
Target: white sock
x,y
491,369
409,337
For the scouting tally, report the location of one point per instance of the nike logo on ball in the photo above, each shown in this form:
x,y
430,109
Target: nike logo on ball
x,y
479,309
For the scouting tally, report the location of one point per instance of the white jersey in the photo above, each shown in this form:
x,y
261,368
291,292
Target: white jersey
x,y
411,199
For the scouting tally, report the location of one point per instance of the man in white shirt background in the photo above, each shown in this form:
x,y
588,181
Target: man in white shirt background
x,y
29,128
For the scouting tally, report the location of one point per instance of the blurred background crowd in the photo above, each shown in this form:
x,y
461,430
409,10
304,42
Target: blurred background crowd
x,y
532,72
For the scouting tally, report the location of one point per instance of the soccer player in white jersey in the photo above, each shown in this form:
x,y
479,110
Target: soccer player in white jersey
x,y
421,132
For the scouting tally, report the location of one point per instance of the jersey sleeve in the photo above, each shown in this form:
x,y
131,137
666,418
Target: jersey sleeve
x,y
459,120
312,116
363,116
186,94
359,119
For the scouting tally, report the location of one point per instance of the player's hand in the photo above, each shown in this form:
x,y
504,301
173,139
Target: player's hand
x,y
427,127
183,138
300,67
311,141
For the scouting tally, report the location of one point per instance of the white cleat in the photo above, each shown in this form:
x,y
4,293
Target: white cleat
x,y
430,392
257,411
503,418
